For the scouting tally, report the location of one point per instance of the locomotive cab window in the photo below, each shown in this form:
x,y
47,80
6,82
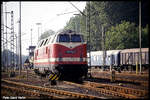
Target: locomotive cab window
x,y
63,38
49,40
45,42
76,38
42,43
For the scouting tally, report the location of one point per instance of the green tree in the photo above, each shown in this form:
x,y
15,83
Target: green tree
x,y
107,14
125,35
145,37
74,23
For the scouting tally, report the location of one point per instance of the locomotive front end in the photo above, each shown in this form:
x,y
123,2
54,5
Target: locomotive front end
x,y
70,56
63,54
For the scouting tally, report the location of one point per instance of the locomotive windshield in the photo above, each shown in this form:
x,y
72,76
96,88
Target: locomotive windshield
x,y
75,38
70,38
64,38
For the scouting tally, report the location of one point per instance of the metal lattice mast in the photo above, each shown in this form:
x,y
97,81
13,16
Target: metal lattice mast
x,y
6,46
2,34
16,55
12,40
20,52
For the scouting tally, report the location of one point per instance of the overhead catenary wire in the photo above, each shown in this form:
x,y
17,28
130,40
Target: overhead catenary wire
x,y
77,9
55,17
66,13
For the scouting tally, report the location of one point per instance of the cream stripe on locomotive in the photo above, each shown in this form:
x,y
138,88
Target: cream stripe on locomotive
x,y
66,59
71,45
60,59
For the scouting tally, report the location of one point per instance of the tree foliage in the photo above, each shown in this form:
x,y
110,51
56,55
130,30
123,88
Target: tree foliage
x,y
119,18
125,35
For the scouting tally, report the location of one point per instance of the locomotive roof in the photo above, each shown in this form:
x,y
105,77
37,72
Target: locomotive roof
x,y
62,32
68,32
45,41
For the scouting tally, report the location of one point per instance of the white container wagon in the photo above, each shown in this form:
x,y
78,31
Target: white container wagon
x,y
112,58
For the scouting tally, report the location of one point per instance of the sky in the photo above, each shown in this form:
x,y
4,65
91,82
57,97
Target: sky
x,y
45,13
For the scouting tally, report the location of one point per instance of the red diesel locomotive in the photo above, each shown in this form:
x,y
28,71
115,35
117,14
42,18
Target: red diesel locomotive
x,y
63,53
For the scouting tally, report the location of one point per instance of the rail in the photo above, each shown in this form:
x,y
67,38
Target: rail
x,y
61,92
28,92
137,92
121,78
104,91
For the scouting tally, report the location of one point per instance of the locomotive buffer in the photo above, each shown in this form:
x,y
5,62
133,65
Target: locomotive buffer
x,y
53,77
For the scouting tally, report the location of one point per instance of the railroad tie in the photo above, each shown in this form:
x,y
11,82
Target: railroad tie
x,y
138,93
68,94
81,96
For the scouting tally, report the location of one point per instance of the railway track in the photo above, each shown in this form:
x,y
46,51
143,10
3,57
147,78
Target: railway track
x,y
106,91
126,78
142,79
126,73
41,91
29,92
136,92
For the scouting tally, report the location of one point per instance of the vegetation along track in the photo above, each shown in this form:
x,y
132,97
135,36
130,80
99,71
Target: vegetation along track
x,y
112,90
44,91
